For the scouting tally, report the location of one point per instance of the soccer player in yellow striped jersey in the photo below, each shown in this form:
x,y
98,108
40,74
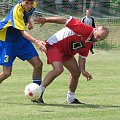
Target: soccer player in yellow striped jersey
x,y
15,41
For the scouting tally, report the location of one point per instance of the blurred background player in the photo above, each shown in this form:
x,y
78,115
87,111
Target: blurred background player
x,y
88,19
16,42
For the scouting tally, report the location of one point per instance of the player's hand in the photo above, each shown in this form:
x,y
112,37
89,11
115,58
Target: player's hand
x,y
87,75
30,26
41,46
40,20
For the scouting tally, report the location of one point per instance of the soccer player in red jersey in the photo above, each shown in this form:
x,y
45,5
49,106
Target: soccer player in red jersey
x,y
75,38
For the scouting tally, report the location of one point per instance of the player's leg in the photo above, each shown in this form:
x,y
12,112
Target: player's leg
x,y
37,74
72,66
6,59
6,73
57,70
29,53
37,69
54,57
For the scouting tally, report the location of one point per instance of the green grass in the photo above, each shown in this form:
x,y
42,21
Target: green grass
x,y
101,95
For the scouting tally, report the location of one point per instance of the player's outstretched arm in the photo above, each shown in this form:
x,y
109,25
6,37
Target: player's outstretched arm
x,y
39,43
43,20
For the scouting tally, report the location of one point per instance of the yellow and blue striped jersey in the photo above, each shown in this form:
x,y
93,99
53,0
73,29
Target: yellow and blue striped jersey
x,y
15,21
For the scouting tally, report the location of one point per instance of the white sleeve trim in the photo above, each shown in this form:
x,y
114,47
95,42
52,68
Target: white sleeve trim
x,y
82,56
68,20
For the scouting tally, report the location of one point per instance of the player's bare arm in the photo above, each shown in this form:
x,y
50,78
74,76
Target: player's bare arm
x,y
59,20
30,25
39,43
82,62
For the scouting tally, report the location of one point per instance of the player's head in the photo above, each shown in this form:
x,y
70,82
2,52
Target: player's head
x,y
27,4
88,12
100,33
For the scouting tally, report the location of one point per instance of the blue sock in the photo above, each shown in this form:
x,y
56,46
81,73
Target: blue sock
x,y
37,81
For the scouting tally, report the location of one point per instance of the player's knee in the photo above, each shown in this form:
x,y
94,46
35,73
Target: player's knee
x,y
58,71
6,74
39,65
76,74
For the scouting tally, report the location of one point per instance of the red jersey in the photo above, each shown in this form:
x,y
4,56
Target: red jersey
x,y
74,38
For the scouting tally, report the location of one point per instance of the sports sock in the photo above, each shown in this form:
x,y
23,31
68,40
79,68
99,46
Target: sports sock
x,y
37,81
42,89
70,96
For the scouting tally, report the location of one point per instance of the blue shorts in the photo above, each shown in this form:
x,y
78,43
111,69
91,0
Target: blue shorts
x,y
21,48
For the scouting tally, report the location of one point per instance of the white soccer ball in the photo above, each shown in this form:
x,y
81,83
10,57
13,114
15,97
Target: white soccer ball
x,y
32,91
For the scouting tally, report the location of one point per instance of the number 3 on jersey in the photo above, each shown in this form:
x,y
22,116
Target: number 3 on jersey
x,y
6,58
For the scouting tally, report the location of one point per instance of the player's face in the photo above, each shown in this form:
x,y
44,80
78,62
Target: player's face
x,y
27,5
98,35
87,12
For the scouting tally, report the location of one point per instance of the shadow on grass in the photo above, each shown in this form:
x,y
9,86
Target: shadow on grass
x,y
65,105
84,106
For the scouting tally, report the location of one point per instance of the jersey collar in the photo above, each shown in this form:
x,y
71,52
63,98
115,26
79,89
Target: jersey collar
x,y
89,39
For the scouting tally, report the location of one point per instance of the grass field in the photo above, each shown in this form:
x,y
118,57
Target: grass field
x,y
101,95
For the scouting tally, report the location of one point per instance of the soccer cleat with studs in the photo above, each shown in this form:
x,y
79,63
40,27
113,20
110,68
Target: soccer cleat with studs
x,y
40,100
76,101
